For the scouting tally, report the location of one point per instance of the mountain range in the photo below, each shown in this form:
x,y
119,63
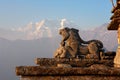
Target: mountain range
x,y
20,46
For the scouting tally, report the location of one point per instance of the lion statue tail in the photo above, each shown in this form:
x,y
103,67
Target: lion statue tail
x,y
98,42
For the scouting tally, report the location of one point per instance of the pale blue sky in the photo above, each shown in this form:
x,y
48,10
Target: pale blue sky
x,y
85,13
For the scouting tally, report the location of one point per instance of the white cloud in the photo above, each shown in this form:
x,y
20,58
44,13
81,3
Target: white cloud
x,y
36,30
62,23
39,25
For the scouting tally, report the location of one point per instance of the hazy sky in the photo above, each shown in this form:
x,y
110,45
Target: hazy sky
x,y
85,13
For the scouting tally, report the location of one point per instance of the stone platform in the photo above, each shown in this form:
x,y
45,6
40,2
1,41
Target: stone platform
x,y
45,71
52,62
56,73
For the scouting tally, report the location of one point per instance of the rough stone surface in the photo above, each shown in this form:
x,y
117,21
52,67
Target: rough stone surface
x,y
64,65
87,77
52,62
40,78
94,72
57,71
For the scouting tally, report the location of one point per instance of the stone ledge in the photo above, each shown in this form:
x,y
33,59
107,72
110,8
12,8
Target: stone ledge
x,y
52,62
57,71
87,77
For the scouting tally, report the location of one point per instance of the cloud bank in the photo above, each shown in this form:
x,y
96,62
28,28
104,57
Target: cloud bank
x,y
43,28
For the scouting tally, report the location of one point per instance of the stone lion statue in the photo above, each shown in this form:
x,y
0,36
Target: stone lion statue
x,y
73,46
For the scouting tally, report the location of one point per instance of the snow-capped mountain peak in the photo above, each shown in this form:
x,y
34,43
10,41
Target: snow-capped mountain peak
x,y
43,28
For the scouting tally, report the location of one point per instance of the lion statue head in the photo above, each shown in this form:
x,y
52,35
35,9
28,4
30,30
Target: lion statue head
x,y
69,33
64,33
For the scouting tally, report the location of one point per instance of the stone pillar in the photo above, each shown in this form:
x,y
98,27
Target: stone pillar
x,y
117,57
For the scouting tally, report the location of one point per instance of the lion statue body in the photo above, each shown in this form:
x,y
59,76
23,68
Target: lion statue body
x,y
73,46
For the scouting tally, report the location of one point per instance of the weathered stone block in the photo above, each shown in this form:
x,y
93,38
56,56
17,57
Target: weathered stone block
x,y
87,77
94,72
52,62
40,78
61,71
